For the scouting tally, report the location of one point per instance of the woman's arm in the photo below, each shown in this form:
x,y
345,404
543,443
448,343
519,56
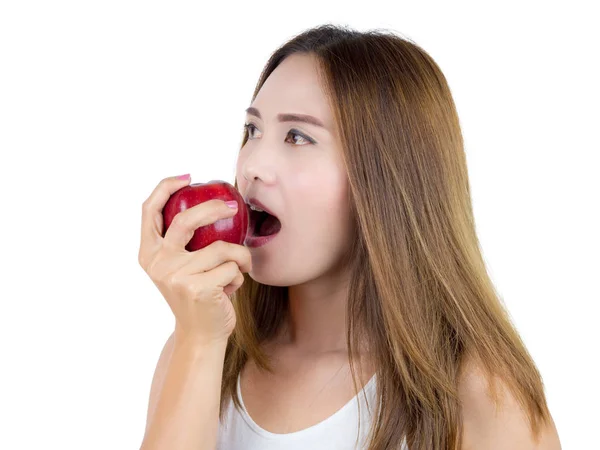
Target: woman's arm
x,y
185,397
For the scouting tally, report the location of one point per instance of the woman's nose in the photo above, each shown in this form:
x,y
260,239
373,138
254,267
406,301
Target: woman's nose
x,y
259,165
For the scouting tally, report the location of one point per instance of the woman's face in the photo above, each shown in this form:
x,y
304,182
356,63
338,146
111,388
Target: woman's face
x,y
295,169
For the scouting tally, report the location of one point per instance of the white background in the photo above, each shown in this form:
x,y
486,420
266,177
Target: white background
x,y
101,100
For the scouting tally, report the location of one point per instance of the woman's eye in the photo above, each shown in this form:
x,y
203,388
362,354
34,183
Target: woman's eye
x,y
292,132
247,126
301,136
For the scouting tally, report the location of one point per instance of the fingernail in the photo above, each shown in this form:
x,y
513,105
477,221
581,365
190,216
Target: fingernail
x,y
184,177
232,204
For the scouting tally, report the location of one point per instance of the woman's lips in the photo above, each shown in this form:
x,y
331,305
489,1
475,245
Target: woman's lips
x,y
255,202
259,241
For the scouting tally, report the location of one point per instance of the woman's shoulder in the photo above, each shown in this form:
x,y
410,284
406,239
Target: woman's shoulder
x,y
488,417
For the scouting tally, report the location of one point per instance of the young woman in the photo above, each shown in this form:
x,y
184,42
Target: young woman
x,y
368,320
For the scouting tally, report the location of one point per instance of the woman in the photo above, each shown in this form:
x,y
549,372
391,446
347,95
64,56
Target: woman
x,y
369,320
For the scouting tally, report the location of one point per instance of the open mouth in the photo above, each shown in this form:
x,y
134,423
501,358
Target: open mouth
x,y
263,224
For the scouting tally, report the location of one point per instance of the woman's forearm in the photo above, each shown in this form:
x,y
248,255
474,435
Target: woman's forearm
x,y
187,411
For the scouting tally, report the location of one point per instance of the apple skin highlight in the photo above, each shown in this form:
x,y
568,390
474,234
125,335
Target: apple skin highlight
x,y
232,229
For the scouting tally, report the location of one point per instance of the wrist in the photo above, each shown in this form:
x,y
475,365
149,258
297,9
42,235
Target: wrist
x,y
195,342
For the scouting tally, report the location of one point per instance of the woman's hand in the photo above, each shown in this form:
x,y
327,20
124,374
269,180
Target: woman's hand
x,y
195,284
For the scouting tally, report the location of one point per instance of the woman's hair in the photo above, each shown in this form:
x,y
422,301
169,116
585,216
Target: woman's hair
x,y
420,295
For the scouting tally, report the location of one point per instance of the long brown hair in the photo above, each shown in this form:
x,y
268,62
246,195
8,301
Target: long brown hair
x,y
420,290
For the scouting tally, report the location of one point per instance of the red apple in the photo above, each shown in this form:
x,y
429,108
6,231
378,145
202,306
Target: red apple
x,y
232,229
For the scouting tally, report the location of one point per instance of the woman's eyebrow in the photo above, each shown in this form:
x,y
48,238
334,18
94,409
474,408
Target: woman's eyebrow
x,y
311,120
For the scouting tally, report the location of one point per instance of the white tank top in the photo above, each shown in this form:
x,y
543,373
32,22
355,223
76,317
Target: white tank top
x,y
337,432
